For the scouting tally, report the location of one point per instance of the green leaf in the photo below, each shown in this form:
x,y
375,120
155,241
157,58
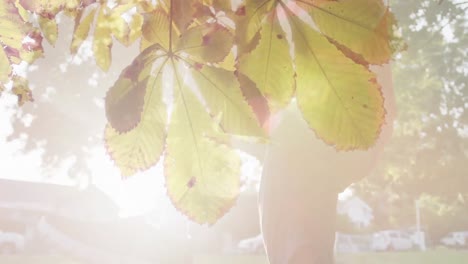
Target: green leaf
x,y
81,30
223,96
364,26
202,176
141,147
269,65
206,43
49,29
340,99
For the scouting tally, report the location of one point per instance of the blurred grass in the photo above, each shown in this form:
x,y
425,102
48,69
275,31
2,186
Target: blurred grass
x,y
233,259
440,256
36,260
430,257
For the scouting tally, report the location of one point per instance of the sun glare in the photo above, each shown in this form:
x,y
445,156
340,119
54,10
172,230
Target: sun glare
x,y
136,195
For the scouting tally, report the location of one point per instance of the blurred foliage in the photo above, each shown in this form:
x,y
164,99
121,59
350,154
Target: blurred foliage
x,y
427,158
440,216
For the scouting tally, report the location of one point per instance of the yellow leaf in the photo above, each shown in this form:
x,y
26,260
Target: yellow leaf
x,y
102,43
339,99
120,30
250,18
49,29
155,29
146,6
364,26
81,31
141,147
204,197
13,27
269,65
135,27
19,40
22,12
219,4
5,68
33,50
181,13
229,63
21,90
118,25
48,8
256,100
202,176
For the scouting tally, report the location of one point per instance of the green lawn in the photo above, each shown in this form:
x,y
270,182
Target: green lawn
x,y
430,257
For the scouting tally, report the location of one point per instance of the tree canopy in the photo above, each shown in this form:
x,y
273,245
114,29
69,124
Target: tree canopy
x,y
210,70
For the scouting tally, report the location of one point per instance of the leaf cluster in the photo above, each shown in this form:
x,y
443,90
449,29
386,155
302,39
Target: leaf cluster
x,y
209,70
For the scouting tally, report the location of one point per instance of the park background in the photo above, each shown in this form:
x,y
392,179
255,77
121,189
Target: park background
x,y
421,183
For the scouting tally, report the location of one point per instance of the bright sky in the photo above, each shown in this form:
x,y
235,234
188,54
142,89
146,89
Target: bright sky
x,y
136,195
